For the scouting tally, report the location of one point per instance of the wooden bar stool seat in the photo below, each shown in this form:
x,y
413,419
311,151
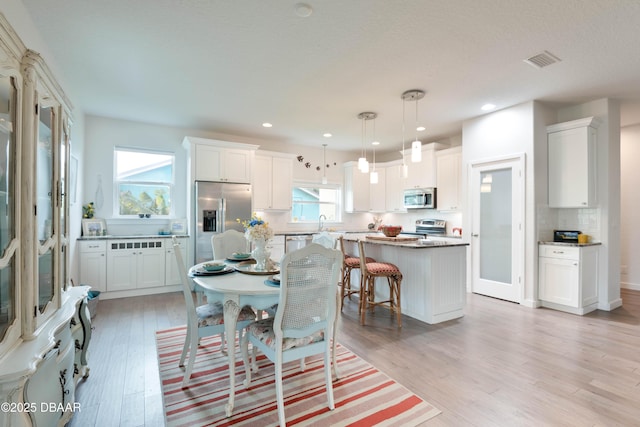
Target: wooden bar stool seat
x,y
369,272
349,263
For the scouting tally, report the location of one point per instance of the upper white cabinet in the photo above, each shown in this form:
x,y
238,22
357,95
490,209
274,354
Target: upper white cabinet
x,y
423,174
212,160
273,180
572,163
448,179
359,194
394,183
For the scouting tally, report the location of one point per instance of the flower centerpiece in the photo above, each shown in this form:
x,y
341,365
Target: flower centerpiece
x,y
258,232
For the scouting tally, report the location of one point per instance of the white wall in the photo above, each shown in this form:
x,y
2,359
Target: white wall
x,y
630,205
504,133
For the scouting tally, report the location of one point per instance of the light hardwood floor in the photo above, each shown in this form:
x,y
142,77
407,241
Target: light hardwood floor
x,y
500,365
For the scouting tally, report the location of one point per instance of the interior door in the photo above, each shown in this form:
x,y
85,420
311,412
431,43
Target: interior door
x,y
497,209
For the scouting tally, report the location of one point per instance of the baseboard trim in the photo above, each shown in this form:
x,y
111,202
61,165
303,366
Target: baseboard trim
x,y
140,292
632,286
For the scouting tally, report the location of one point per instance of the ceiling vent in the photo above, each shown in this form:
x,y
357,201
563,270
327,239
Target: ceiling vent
x,y
542,60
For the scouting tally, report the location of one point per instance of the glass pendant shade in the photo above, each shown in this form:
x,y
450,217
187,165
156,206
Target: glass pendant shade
x,y
363,165
404,170
373,177
416,151
324,180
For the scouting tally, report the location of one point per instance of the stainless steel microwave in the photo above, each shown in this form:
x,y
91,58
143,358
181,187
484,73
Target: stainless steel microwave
x,y
420,198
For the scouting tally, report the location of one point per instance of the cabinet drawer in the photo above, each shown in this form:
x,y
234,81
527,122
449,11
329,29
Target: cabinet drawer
x,y
562,252
93,245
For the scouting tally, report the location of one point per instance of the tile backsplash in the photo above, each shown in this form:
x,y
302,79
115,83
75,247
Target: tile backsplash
x,y
586,220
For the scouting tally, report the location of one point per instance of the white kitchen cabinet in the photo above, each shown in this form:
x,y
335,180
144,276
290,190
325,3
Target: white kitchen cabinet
x,y
572,164
359,194
273,181
93,264
134,264
423,174
172,273
394,186
449,179
377,192
220,161
222,164
356,189
567,277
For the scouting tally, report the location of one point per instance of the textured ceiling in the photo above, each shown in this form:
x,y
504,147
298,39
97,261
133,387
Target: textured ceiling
x,y
227,66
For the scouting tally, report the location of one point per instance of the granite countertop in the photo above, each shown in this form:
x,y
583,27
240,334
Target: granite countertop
x,y
412,244
569,244
139,236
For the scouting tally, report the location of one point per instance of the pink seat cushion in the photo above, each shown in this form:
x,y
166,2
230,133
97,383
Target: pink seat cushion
x,y
213,314
383,269
354,262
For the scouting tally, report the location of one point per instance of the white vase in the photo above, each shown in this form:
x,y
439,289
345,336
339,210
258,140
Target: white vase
x,y
260,253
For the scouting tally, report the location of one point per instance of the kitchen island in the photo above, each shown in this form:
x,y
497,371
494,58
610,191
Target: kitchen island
x,y
434,274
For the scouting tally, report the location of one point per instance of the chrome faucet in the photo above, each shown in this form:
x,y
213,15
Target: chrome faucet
x,y
320,221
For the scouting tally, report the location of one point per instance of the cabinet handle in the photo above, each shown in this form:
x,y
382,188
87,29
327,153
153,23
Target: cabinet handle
x,y
474,235
558,252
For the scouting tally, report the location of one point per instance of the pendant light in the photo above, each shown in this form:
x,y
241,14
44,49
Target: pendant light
x,y
373,176
324,163
416,145
404,168
363,164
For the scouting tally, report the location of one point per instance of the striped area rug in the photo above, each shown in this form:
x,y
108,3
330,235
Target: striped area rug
x,y
363,395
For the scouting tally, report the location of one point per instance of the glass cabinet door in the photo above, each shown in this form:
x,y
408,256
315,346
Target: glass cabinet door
x,y
63,208
45,205
9,307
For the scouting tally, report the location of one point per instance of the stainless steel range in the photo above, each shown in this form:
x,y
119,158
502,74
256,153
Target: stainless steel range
x,y
437,227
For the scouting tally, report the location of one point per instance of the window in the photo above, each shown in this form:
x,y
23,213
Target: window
x,y
312,200
144,182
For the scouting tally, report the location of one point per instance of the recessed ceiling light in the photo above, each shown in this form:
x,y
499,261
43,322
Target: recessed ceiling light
x,y
267,125
327,135
488,107
375,143
420,128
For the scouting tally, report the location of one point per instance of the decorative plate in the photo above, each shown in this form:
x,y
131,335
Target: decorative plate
x,y
250,268
272,283
200,271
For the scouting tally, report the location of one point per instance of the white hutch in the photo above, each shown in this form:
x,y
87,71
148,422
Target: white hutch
x,y
44,321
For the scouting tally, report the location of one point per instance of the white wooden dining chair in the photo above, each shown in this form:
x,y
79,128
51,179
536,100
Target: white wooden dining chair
x,y
226,244
204,320
304,320
325,239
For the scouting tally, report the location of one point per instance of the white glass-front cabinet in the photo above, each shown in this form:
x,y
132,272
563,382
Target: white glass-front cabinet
x,y
45,164
45,327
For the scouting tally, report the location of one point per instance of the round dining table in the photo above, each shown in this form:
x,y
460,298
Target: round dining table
x,y
235,289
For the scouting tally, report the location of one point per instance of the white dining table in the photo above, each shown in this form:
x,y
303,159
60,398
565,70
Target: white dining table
x,y
235,290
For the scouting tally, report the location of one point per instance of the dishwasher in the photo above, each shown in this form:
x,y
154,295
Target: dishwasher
x,y
296,241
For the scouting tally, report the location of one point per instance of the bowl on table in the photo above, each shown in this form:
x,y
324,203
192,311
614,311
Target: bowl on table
x,y
391,230
240,255
213,266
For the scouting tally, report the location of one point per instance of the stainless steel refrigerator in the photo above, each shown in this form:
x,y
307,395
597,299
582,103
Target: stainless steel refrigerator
x,y
217,207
